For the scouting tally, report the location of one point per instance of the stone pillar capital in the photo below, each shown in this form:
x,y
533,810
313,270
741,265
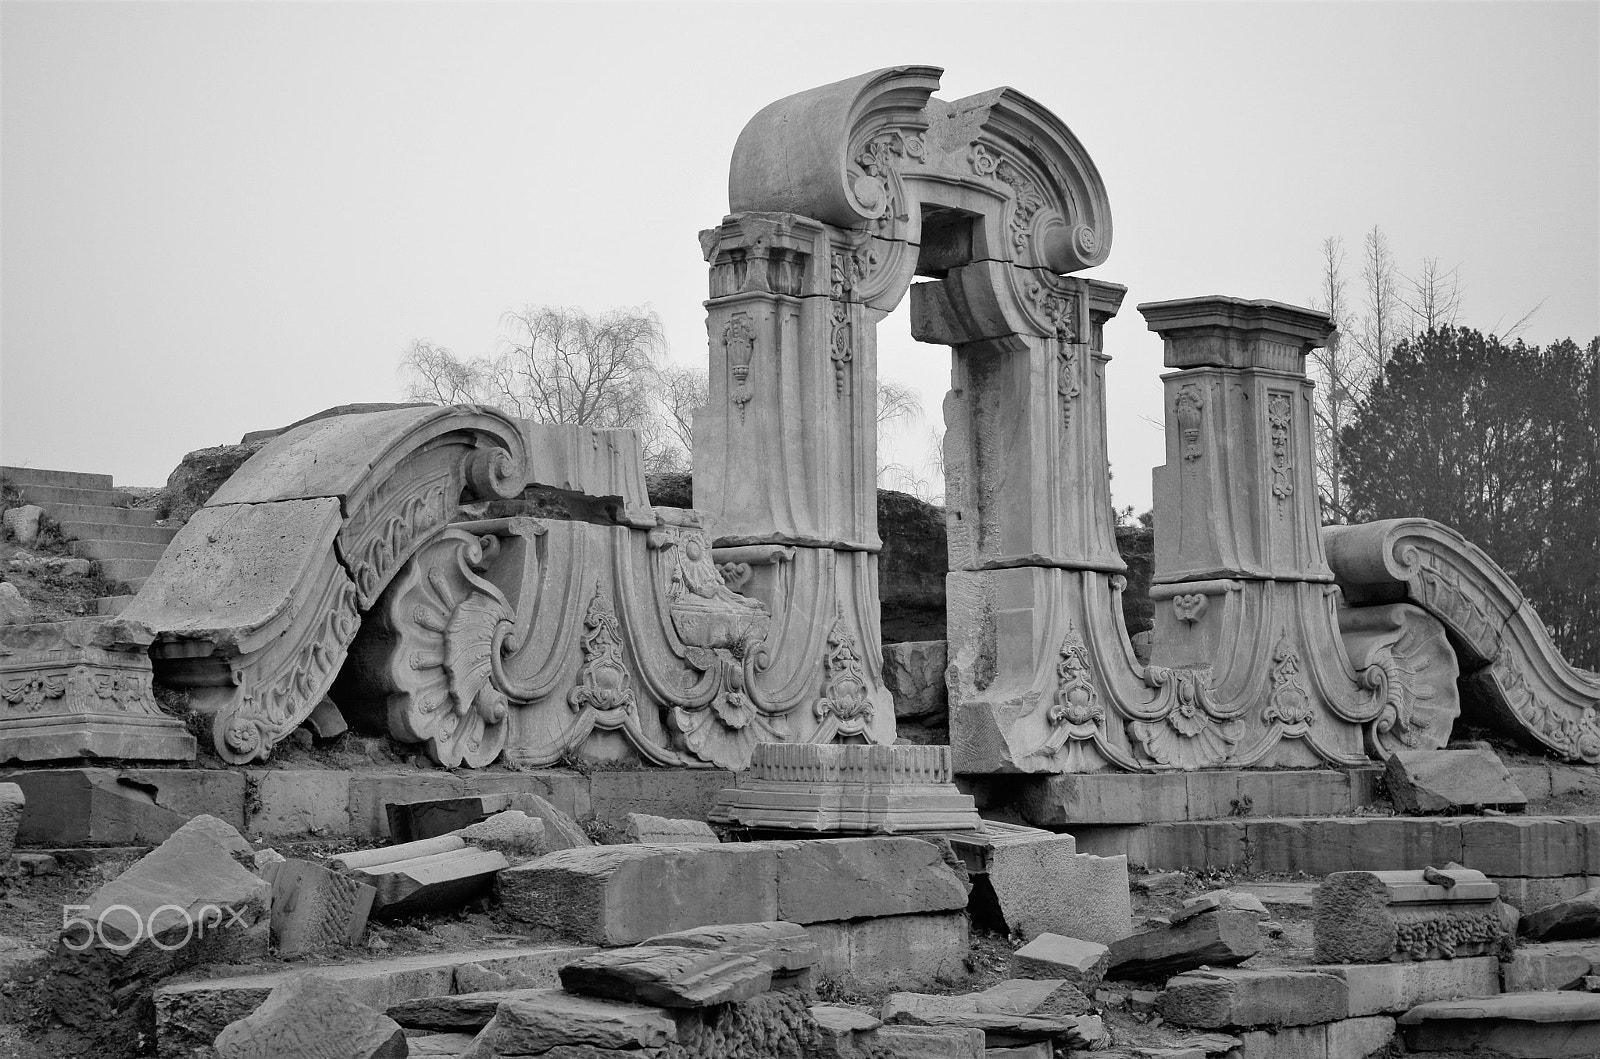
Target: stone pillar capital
x,y
1226,332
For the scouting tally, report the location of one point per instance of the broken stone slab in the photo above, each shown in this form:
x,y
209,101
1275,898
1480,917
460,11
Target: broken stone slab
x,y
1033,996
82,689
1042,886
432,817
894,952
470,1011
1450,781
860,878
787,948
1236,996
513,832
671,976
1219,899
1081,962
537,1024
12,803
102,806
1368,917
1220,939
847,788
1000,1028
440,1045
191,1014
437,881
913,671
189,901
930,1042
1361,1037
315,909
310,1016
1550,1025
560,830
1540,966
1576,917
665,831
1393,988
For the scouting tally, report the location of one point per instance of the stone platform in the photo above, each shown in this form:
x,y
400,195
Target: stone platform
x,y
89,806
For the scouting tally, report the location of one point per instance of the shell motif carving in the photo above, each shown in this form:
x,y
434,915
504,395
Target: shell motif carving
x,y
1191,735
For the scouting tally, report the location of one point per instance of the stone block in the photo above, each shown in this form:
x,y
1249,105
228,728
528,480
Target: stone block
x,y
858,878
12,803
680,793
440,1045
1549,965
410,880
309,1016
82,689
931,1042
469,1012
1130,842
1445,781
187,902
1369,917
561,831
189,1015
913,671
815,787
1383,844
1043,886
430,818
999,1027
536,1024
1032,996
298,802
784,947
592,893
1523,892
512,832
665,831
1550,1025
122,807
1106,798
1392,988
1218,900
671,976
315,909
915,951
1219,939
1576,917
1216,999
1203,844
1360,1037
1512,845
369,793
1083,963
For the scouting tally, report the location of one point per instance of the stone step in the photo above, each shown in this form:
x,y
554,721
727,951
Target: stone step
x,y
101,514
103,531
48,496
25,476
1544,1025
99,548
1517,846
126,570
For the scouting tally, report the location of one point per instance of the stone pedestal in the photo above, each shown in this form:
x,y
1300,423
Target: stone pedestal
x,y
813,787
81,689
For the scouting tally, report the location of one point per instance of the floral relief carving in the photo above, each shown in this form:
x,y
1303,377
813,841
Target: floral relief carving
x,y
847,270
1027,196
34,690
1194,733
874,185
739,342
845,707
1190,607
1287,701
1186,408
1278,422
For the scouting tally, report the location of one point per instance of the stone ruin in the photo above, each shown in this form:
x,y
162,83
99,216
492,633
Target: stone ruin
x,y
401,572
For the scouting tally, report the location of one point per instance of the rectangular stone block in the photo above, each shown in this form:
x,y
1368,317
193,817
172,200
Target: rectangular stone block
x,y
1446,781
935,1042
371,792
1393,988
1131,842
1105,798
1381,844
1296,792
1216,939
1217,999
114,807
1201,844
1278,846
1372,917
1511,845
1043,887
315,909
660,792
906,952
298,802
1525,894
593,893
856,878
1549,965
12,803
1362,1037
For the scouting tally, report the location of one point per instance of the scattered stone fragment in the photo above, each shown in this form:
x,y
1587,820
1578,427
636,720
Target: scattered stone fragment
x,y
12,803
560,830
315,909
37,863
787,948
1235,996
1083,963
14,610
537,1024
442,1045
432,883
1444,781
670,976
430,818
1576,917
513,832
1001,1028
326,722
1367,917
914,674
1550,1025
310,1017
1210,902
930,1042
188,901
1033,996
23,523
1220,939
665,831
459,1011
1042,885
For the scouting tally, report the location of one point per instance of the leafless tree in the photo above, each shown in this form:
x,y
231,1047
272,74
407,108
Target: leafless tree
x,y
1343,370
562,365
680,392
433,373
1379,330
1434,297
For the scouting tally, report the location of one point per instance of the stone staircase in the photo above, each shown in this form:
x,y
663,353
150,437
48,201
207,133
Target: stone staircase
x,y
124,541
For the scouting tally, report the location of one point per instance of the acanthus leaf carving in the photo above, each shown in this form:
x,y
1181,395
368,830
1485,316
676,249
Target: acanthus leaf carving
x,y
1195,732
1287,701
1278,421
739,342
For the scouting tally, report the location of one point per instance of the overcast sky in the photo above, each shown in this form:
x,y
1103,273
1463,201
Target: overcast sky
x,y
221,217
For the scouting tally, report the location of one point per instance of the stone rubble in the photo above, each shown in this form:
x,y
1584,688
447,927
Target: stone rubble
x,y
308,1017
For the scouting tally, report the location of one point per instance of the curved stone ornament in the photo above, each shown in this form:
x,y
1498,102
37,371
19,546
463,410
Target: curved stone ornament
x,y
256,601
1506,657
1420,700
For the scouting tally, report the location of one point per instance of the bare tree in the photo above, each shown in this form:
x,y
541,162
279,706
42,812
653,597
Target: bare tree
x,y
562,365
1379,331
1343,370
896,401
433,373
1435,297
